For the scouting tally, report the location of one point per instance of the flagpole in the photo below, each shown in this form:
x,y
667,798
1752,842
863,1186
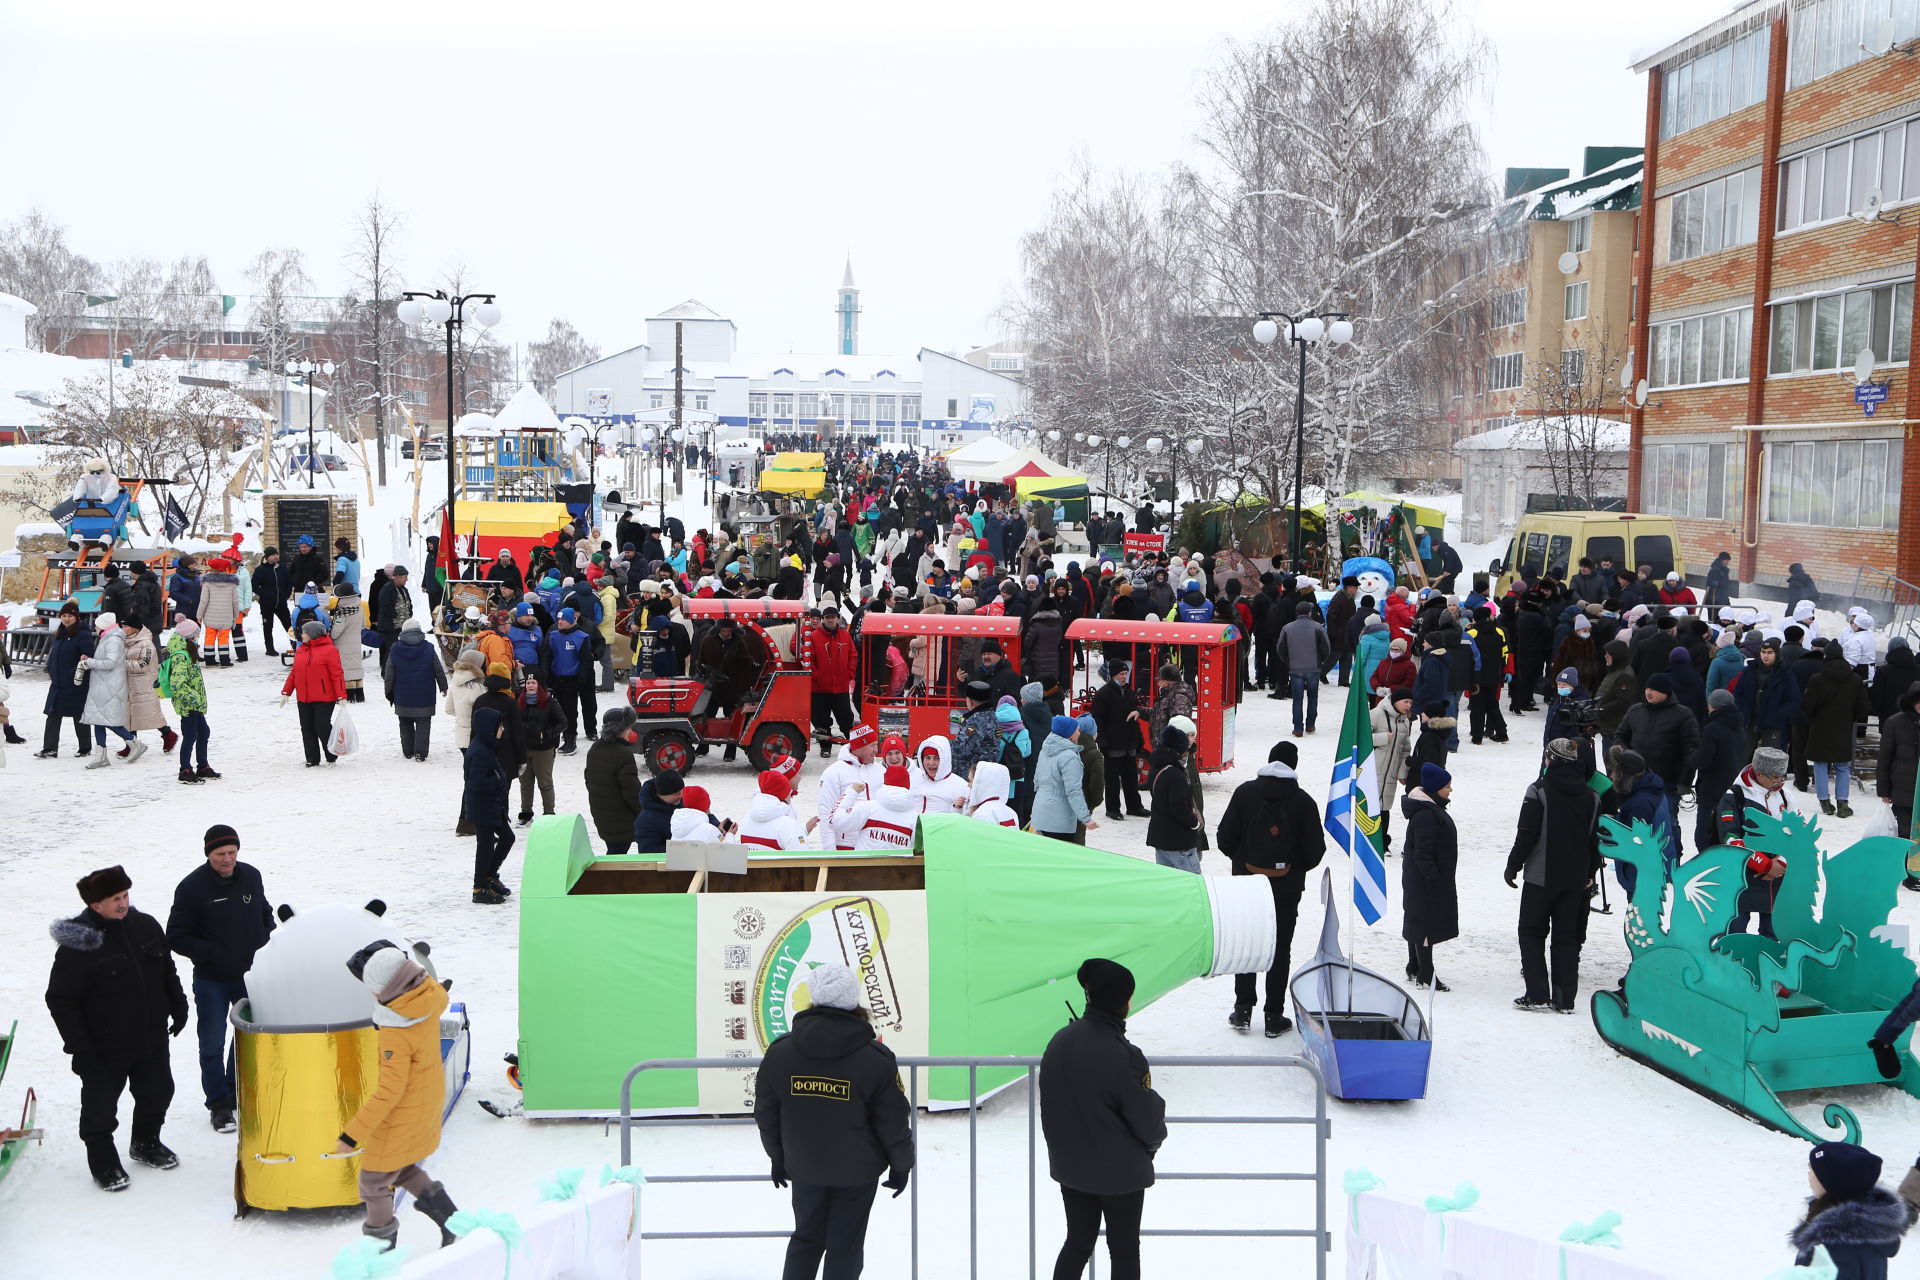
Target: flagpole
x,y
1353,865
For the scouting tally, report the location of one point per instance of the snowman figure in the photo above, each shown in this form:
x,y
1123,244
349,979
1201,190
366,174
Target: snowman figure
x,y
1375,575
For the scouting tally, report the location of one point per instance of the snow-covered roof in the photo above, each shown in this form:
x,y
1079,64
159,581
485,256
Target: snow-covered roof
x,y
794,366
691,309
1574,194
1689,33
1609,434
527,410
41,375
163,384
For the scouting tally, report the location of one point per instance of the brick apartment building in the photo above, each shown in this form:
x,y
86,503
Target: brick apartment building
x,y
1538,318
1783,165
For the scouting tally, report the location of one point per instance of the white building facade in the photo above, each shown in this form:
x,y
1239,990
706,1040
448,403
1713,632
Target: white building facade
x,y
928,398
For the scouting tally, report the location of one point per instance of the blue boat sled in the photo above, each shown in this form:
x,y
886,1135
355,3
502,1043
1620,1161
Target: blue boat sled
x,y
1368,1036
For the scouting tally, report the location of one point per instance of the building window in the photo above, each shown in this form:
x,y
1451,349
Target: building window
x,y
1716,83
657,400
1829,35
1504,372
756,404
1573,366
1714,348
1510,244
909,408
862,408
1580,234
1006,363
783,404
1829,332
1576,308
1833,181
1714,216
699,402
1509,308
1844,484
1698,480
883,408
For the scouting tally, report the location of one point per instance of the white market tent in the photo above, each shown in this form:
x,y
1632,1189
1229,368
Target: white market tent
x,y
981,455
996,470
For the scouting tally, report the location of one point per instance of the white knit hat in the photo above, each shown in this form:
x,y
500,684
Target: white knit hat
x,y
832,986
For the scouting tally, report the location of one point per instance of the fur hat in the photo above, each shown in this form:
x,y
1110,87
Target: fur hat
x,y
1563,749
1108,984
832,986
98,886
1771,761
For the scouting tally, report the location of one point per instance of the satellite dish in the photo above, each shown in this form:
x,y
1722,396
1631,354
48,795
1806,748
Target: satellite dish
x,y
1863,365
1626,373
1870,203
1640,390
1569,263
1884,36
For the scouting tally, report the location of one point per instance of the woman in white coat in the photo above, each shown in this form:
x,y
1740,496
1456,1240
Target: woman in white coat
x,y
106,706
466,682
349,618
143,700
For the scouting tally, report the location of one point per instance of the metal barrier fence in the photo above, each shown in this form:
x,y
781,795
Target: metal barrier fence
x,y
1030,1068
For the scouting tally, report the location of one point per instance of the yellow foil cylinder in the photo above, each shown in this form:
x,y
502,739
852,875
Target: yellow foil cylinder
x,y
296,1089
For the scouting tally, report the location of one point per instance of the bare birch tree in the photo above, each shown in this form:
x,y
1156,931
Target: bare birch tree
x,y
373,341
37,265
1576,423
562,349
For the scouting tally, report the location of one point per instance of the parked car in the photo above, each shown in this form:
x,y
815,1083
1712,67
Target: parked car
x,y
430,450
322,462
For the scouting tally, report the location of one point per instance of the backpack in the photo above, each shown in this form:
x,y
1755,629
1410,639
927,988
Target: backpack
x,y
163,680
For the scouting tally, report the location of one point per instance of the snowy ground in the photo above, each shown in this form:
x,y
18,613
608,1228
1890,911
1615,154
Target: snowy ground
x,y
1549,1123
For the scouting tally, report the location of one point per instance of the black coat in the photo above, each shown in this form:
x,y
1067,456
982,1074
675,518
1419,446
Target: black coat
x,y
113,989
1554,840
1834,702
540,726
1899,755
510,749
1860,1235
1895,676
1768,703
1429,747
64,697
219,924
653,822
148,610
305,567
613,790
1666,737
1340,612
1689,690
1270,822
116,598
1172,825
270,585
1103,1121
1112,704
483,802
1430,853
1723,752
829,1104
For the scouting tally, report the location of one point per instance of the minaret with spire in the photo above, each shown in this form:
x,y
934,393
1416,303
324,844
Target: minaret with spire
x,y
848,311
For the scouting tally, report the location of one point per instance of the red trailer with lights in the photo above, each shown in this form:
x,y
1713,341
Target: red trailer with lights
x,y
927,706
1209,653
771,718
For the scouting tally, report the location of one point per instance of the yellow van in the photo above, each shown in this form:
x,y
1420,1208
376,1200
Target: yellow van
x,y
1556,541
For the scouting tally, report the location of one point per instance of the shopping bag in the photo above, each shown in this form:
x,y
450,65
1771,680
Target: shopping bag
x,y
345,739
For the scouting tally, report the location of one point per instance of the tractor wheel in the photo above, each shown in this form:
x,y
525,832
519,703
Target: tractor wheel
x,y
1143,771
773,743
667,749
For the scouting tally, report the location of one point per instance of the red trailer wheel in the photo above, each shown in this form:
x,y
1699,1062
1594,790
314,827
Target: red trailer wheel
x,y
773,743
668,749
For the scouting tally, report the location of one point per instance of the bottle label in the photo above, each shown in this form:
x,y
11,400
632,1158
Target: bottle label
x,y
755,952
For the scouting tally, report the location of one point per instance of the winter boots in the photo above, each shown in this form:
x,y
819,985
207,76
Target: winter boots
x,y
1278,1024
1527,1004
388,1236
484,896
153,1153
205,771
438,1205
1241,1018
168,739
221,1118
104,1163
188,775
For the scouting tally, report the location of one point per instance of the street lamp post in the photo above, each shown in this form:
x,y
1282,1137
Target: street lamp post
x,y
306,369
1308,327
417,307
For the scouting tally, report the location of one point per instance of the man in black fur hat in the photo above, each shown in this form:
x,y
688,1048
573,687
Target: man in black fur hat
x,y
115,996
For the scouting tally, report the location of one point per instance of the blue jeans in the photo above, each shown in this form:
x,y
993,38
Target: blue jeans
x,y
1309,685
211,1000
100,732
1179,859
1453,709
1842,779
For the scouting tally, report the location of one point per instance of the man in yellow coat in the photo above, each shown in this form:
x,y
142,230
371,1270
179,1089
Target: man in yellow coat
x,y
398,1127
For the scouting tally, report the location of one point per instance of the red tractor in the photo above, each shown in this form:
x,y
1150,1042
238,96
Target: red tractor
x,y
771,694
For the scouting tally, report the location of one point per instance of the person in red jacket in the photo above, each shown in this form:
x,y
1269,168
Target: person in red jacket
x,y
1676,591
830,653
317,681
1395,671
1399,615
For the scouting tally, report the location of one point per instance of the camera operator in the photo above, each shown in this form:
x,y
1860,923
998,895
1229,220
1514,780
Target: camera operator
x,y
1574,714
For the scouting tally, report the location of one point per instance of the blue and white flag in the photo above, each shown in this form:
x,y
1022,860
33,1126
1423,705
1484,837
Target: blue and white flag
x,y
1353,807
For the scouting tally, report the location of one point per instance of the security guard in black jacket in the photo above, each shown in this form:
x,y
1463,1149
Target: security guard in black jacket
x,y
1103,1123
832,1118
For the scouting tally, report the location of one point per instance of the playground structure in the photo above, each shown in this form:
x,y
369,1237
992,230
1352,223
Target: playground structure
x,y
96,540
769,718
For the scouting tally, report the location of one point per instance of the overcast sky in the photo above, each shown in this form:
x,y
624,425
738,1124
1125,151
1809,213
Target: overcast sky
x,y
603,161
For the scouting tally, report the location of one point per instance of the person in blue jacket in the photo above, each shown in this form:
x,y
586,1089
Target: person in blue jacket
x,y
567,654
346,564
1642,794
525,634
666,657
549,591
183,588
660,798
